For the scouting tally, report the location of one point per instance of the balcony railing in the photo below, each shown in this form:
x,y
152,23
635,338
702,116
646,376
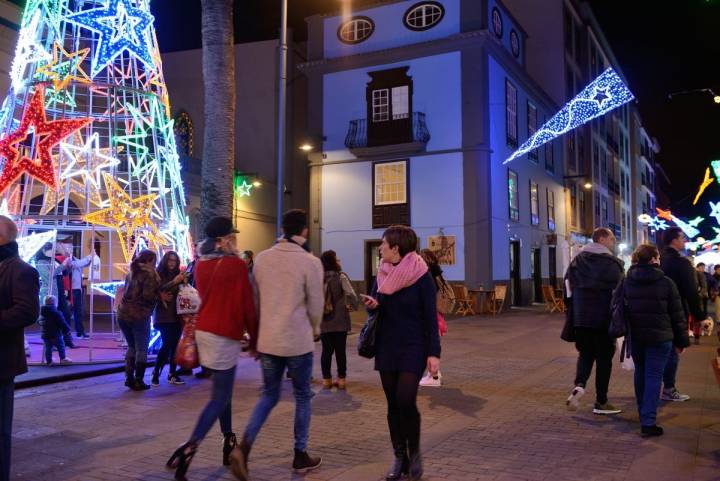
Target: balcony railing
x,y
357,134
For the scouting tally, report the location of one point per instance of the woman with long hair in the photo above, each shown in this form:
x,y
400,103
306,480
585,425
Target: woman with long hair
x,y
227,310
141,293
167,320
657,325
340,298
407,341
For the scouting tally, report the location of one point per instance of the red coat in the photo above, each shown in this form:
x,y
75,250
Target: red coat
x,y
227,307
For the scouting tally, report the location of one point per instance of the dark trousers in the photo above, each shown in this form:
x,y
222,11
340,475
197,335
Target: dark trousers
x,y
333,343
594,347
57,343
137,335
219,407
7,393
403,417
170,334
650,361
64,309
78,311
671,369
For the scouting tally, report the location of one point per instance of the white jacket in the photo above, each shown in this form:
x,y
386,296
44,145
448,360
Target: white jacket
x,y
77,266
290,287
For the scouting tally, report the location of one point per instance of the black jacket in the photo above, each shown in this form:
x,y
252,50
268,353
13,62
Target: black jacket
x,y
653,308
593,277
51,321
19,307
682,273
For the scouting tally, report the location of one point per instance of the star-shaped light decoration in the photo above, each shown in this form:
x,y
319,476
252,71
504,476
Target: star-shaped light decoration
x,y
46,134
601,96
696,221
108,288
657,224
28,50
705,184
62,97
715,210
243,190
30,244
53,13
122,28
177,229
129,217
664,214
65,67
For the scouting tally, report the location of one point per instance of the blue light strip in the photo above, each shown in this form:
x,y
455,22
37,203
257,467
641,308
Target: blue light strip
x,y
108,288
605,93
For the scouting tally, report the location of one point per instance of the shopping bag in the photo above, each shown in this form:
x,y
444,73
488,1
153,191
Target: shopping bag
x,y
188,300
623,347
442,325
186,354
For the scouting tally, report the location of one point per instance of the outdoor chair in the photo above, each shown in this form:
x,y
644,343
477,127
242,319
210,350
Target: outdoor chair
x,y
465,304
499,301
552,302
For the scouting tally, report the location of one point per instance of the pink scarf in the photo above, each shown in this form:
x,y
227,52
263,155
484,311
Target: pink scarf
x,y
391,279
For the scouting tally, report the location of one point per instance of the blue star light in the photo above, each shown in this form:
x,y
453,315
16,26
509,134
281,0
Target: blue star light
x,y
715,210
657,223
605,93
122,27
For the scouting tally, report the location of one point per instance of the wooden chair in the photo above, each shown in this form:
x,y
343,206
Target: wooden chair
x,y
552,302
465,305
498,302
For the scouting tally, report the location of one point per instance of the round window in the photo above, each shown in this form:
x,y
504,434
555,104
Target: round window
x,y
497,22
423,15
356,30
515,43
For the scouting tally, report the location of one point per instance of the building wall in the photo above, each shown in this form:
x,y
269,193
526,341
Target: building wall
x,y
389,29
10,16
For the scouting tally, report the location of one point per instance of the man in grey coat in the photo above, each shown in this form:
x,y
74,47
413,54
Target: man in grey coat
x,y
19,308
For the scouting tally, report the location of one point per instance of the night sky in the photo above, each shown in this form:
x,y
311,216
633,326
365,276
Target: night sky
x,y
662,47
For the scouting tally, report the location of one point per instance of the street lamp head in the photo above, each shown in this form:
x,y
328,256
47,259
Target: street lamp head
x,y
257,184
587,185
716,99
306,147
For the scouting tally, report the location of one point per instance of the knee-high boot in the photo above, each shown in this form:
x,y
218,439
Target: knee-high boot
x,y
415,468
399,442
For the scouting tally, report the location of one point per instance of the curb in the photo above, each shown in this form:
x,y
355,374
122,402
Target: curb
x,y
74,376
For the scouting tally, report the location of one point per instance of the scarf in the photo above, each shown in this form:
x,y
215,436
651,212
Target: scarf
x,y
9,250
392,278
297,240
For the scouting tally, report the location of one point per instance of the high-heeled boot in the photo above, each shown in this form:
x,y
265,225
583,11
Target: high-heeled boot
x,y
415,467
400,462
181,459
229,443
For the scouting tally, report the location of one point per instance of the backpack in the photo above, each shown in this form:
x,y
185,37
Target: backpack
x,y
445,296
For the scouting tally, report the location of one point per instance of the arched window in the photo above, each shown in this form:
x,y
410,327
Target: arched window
x,y
184,133
356,30
423,15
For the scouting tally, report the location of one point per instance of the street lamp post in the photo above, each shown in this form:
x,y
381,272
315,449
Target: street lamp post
x,y
282,108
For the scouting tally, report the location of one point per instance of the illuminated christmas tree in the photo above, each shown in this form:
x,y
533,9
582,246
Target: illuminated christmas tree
x,y
87,146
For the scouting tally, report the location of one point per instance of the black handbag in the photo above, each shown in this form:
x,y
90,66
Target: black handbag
x,y
618,320
366,339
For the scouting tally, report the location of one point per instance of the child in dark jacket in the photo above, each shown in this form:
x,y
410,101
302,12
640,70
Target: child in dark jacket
x,y
52,321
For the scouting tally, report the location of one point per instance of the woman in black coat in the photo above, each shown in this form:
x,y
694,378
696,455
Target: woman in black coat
x,y
407,341
657,325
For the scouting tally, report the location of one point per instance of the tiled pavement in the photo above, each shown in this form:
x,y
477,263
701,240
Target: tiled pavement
x,y
500,416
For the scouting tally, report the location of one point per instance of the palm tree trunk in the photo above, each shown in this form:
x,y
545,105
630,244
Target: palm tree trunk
x,y
216,197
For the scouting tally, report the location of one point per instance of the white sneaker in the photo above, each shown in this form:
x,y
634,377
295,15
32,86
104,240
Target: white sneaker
x,y
431,381
573,400
67,360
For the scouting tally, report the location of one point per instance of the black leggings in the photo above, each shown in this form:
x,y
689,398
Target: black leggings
x,y
170,334
333,342
401,390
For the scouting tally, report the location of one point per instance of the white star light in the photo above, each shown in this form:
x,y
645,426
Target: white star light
x,y
28,50
30,244
657,223
92,159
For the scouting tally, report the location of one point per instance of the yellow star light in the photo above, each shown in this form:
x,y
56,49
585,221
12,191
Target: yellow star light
x,y
129,217
62,72
705,184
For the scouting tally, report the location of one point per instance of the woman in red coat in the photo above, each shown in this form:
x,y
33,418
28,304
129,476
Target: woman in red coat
x,y
227,310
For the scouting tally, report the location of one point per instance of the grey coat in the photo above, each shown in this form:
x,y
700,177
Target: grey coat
x,y
342,296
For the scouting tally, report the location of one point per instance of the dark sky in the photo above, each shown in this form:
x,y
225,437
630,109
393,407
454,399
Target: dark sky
x,y
662,47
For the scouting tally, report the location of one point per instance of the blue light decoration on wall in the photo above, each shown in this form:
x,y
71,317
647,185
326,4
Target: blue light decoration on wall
x,y
122,27
605,93
108,288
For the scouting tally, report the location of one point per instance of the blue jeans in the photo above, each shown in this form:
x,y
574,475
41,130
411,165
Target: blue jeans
x,y
300,371
57,342
671,369
650,361
219,407
137,335
78,311
7,393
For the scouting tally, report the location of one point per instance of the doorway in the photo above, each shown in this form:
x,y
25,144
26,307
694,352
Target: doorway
x,y
536,264
372,263
515,287
552,266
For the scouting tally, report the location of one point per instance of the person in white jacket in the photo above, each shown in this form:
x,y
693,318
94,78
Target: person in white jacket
x,y
76,267
290,286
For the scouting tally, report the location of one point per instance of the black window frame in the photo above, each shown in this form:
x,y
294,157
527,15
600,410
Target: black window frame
x,y
422,4
354,19
513,212
511,141
496,11
534,216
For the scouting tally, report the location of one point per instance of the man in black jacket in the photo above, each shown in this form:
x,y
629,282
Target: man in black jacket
x,y
592,276
19,308
680,270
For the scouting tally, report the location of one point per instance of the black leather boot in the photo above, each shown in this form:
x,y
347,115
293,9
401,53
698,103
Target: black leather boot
x,y
229,443
139,376
400,464
415,468
130,372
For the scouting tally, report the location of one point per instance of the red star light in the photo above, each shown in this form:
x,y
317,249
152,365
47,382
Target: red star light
x,y
47,134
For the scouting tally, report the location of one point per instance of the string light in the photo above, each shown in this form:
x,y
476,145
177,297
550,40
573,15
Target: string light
x,y
605,93
657,223
28,50
129,217
29,245
705,184
715,210
46,134
122,28
62,72
108,288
